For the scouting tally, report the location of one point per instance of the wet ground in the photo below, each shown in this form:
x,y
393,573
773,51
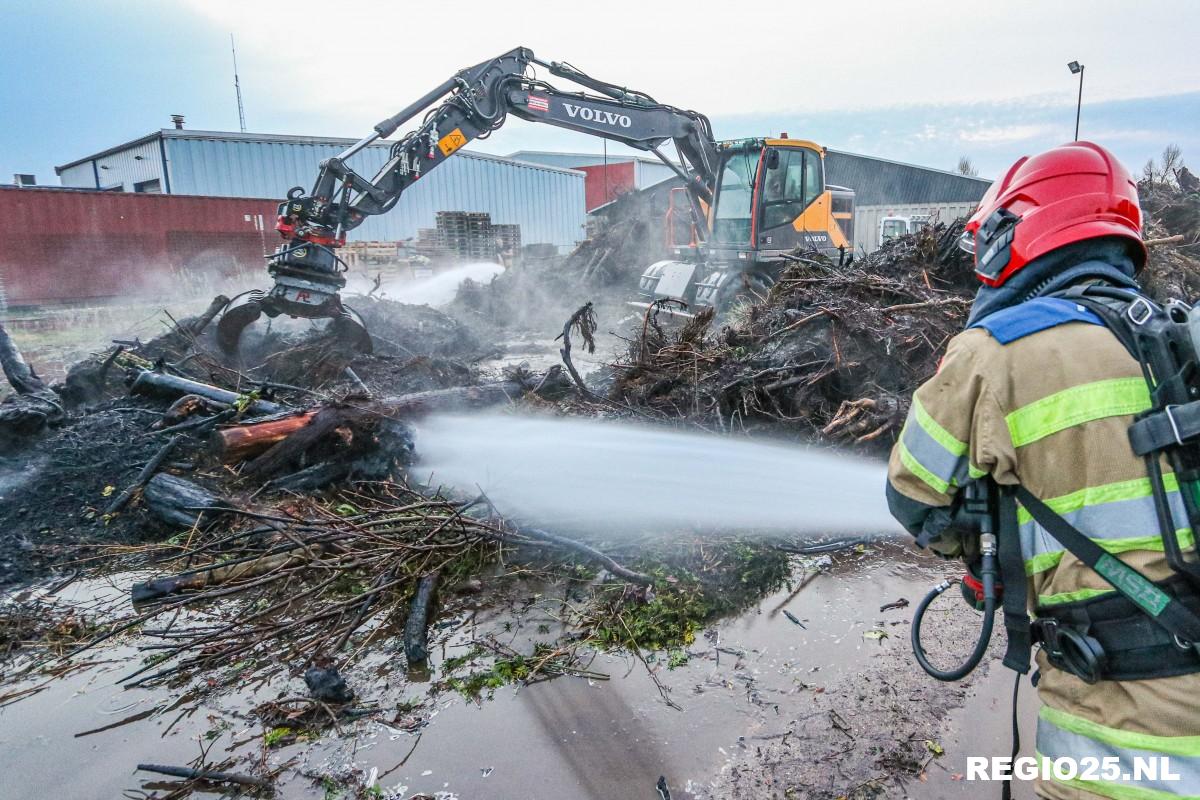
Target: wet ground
x,y
762,701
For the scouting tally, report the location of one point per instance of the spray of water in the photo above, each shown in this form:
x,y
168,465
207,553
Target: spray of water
x,y
436,290
610,478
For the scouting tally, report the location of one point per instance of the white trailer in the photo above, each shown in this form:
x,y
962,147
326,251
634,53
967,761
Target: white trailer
x,y
869,224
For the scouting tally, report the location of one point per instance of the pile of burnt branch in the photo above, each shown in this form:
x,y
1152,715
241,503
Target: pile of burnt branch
x,y
288,535
415,348
1172,225
307,583
140,435
833,351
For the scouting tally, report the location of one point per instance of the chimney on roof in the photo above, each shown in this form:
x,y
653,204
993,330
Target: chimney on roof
x,y
178,120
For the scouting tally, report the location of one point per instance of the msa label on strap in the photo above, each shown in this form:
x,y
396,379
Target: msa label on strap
x,y
1145,594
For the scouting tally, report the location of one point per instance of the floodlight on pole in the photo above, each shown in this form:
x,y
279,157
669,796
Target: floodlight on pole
x,y
1077,69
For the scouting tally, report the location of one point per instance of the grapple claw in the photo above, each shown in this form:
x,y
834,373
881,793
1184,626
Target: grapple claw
x,y
345,323
243,310
350,328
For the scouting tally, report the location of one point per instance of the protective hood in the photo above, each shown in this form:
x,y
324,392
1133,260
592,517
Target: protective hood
x,y
1106,260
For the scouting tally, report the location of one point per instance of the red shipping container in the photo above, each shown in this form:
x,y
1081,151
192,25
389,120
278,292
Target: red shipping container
x,y
70,246
605,183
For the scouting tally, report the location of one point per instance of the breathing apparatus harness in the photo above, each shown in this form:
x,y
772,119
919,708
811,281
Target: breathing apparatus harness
x,y
1146,629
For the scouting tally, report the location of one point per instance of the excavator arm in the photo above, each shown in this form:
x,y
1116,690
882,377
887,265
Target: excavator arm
x,y
475,102
468,106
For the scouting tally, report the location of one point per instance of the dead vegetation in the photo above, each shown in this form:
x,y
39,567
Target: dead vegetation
x,y
831,353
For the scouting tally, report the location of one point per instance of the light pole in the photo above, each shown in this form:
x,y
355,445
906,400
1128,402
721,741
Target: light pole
x,y
1077,69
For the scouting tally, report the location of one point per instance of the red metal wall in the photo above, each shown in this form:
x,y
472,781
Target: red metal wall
x,y
598,190
63,246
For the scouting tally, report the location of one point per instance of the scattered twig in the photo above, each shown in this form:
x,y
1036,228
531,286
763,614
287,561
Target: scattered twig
x,y
206,775
121,500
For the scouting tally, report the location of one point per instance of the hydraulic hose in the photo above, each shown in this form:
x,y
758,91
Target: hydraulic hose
x,y
988,573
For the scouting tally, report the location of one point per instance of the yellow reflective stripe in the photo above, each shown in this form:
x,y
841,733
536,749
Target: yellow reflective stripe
x,y
1096,495
1044,561
912,465
975,472
1113,791
1071,597
936,431
1129,740
1074,406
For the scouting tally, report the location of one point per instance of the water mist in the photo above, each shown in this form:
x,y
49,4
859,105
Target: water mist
x,y
611,478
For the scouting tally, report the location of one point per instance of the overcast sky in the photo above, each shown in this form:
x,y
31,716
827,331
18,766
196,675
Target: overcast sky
x,y
919,81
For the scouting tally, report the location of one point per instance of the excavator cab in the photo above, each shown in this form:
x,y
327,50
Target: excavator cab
x,y
770,199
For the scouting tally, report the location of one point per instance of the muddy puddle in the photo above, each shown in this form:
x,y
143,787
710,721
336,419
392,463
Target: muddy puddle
x,y
745,685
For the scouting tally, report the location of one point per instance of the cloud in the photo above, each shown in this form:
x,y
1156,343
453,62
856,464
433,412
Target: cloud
x,y
1005,134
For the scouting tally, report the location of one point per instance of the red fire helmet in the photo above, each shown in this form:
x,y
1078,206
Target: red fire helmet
x,y
1071,193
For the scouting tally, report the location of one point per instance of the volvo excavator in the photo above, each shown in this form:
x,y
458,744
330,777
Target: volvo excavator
x,y
752,202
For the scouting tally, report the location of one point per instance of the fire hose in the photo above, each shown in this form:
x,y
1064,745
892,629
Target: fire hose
x,y
981,592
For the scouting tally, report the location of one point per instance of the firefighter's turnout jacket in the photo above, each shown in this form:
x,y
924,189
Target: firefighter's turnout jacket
x,y
1043,397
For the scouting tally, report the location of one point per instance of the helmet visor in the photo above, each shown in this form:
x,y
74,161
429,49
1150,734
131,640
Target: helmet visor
x,y
966,242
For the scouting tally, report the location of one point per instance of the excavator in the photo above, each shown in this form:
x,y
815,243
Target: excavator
x,y
751,201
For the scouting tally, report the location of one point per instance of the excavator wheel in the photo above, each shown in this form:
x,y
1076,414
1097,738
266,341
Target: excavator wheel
x,y
242,311
743,289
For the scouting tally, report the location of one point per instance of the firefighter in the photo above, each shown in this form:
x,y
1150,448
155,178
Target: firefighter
x,y
1037,393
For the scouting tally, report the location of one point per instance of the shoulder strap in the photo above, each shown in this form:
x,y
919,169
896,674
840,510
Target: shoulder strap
x,y
1112,306
1164,609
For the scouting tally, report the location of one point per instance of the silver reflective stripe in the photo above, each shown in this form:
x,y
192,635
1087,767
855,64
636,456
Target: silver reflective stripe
x,y
1120,519
932,455
1054,742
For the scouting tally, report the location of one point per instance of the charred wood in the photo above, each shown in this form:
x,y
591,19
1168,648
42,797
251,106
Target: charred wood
x,y
160,384
416,627
175,500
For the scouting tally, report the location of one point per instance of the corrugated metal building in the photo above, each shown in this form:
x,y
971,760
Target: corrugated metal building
x,y
545,200
878,181
884,188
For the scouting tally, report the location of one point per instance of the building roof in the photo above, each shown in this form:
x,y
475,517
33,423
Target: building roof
x,y
880,181
272,138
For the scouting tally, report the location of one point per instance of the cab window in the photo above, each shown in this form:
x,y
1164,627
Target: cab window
x,y
893,228
731,218
791,183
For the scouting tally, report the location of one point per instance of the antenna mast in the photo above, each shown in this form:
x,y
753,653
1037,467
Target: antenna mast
x,y
237,86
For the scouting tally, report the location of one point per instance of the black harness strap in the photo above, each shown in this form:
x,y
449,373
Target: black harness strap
x,y
1164,609
1167,428
1012,573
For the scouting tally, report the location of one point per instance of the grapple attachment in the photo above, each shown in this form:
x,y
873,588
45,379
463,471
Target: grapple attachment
x,y
306,287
